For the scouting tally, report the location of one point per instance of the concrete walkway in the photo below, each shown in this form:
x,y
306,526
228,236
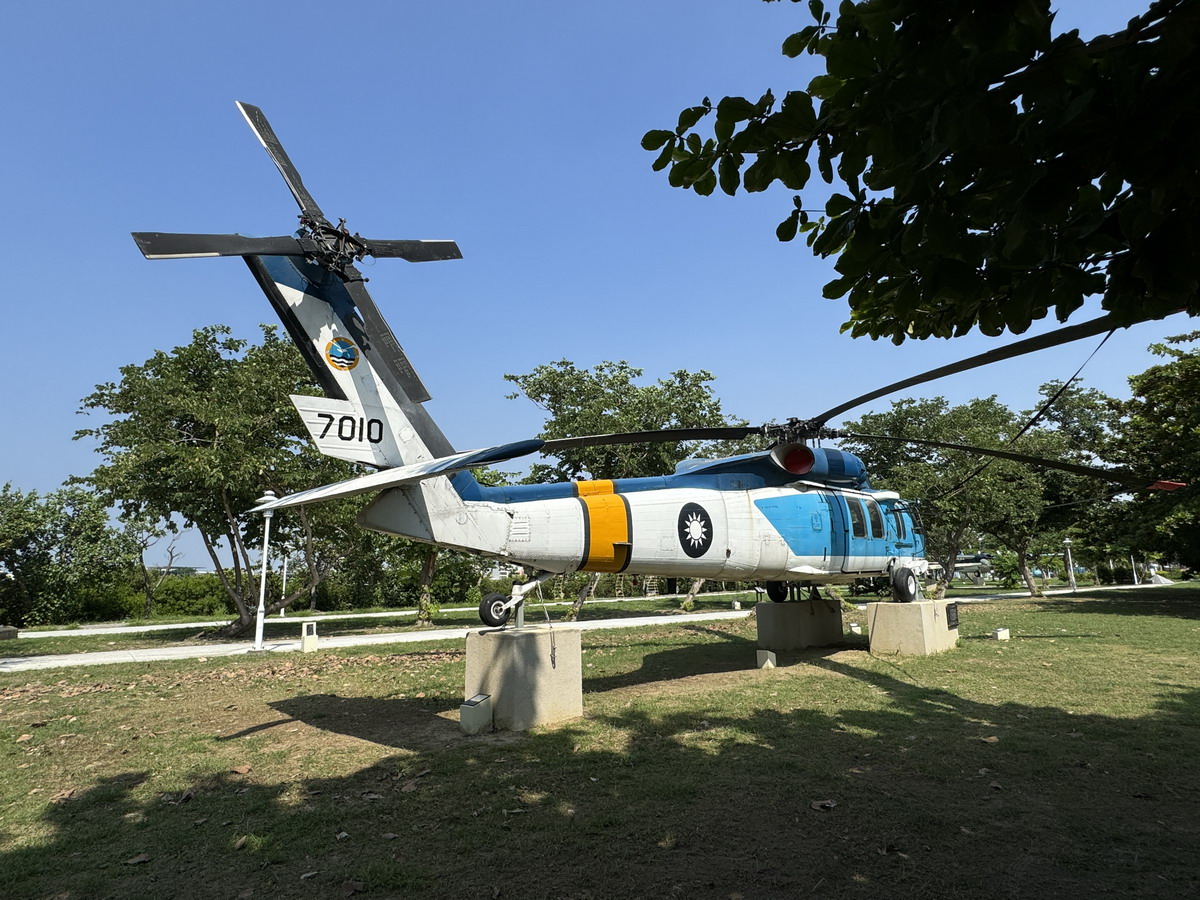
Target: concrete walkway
x,y
19,664
208,651
325,617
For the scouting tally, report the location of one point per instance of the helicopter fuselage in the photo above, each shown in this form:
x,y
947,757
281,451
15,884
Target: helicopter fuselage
x,y
740,519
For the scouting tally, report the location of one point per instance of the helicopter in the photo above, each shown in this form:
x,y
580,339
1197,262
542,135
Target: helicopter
x,y
793,515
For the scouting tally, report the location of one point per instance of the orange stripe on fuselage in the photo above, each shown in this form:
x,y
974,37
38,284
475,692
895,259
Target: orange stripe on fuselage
x,y
608,527
589,488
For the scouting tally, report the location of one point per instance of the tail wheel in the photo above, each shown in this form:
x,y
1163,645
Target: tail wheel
x,y
777,590
492,611
904,585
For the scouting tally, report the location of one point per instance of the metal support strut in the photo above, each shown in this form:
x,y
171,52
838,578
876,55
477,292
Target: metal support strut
x,y
517,600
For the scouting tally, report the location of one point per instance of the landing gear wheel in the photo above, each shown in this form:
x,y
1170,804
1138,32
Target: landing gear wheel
x,y
904,585
492,611
778,590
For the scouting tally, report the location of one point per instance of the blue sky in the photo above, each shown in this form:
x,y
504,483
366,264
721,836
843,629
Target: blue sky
x,y
511,128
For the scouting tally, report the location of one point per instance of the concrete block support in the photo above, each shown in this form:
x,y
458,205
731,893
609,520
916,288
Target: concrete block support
x,y
308,636
796,625
533,674
912,629
8,633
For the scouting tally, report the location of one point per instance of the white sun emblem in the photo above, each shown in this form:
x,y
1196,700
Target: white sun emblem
x,y
696,529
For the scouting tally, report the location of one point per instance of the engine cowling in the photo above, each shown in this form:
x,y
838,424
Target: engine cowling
x,y
820,464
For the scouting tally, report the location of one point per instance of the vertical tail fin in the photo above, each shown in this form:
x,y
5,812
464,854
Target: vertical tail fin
x,y
366,415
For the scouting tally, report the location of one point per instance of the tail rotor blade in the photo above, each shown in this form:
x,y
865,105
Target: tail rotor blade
x,y
266,136
159,245
414,251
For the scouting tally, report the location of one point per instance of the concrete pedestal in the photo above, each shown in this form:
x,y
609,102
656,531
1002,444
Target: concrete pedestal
x,y
308,636
796,625
912,629
534,675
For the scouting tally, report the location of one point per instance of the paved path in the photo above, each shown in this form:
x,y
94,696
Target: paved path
x,y
208,651
82,630
19,664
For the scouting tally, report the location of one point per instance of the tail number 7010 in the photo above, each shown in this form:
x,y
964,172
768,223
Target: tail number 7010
x,y
350,428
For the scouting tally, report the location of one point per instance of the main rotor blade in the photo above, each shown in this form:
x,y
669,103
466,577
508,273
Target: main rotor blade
x,y
663,436
266,136
159,245
413,251
1020,348
378,341
1118,476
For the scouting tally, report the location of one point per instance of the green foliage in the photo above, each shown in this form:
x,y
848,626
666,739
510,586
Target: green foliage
x,y
1161,436
606,399
1022,508
1006,570
989,172
199,433
192,595
385,571
60,560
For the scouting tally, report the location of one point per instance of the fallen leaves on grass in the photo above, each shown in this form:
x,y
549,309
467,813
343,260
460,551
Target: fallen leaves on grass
x,y
138,860
411,785
990,739
823,805
242,770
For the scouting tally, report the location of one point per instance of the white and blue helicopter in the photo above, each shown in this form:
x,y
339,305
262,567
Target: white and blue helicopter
x,y
790,515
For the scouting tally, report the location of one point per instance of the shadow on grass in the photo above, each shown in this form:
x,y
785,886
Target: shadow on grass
x,y
701,657
1175,601
415,725
857,783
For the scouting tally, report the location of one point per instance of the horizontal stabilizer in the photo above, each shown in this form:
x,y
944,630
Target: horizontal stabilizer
x,y
390,478
344,430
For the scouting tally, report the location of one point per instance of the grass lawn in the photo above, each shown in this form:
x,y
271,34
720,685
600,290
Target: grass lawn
x,y
1060,763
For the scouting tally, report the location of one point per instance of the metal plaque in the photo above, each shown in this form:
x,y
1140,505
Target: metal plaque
x,y
951,616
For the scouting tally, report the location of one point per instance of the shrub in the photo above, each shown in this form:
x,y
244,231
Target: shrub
x,y
192,595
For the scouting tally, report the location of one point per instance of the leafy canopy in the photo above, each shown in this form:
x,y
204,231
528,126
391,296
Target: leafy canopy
x,y
606,399
1161,432
60,559
986,172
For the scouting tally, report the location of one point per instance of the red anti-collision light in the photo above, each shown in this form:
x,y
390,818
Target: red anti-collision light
x,y
799,461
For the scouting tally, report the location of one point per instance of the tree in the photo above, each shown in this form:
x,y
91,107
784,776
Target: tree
x,y
606,399
1159,433
200,432
145,533
988,171
958,494
60,559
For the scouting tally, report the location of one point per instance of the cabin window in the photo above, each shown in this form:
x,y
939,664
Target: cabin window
x,y
901,531
858,521
876,519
